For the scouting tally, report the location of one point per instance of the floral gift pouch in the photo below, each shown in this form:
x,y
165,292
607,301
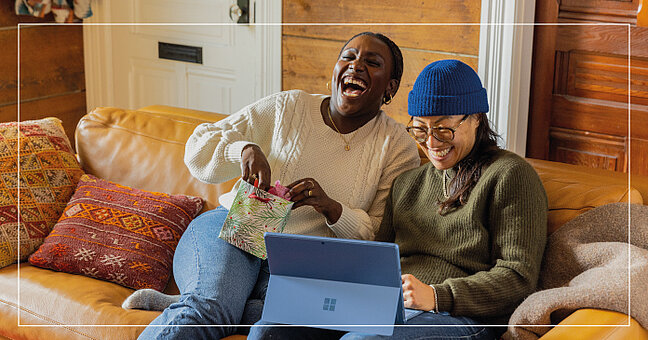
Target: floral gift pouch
x,y
254,212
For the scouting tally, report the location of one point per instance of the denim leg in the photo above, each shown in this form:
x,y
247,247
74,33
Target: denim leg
x,y
462,328
215,280
264,330
254,305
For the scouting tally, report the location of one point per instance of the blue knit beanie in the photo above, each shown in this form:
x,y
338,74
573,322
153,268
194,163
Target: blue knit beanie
x,y
447,87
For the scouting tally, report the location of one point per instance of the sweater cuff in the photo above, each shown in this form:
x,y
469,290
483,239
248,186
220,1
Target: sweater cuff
x,y
347,225
445,301
233,151
436,300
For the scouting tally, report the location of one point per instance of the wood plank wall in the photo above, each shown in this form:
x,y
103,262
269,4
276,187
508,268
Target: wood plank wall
x,y
579,90
51,69
309,52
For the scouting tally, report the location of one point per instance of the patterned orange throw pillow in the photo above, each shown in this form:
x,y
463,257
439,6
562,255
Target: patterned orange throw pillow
x,y
49,172
117,233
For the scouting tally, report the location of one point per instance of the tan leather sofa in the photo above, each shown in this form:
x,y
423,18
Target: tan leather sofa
x,y
144,149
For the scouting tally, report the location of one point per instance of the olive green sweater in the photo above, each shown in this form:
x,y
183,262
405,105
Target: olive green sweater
x,y
483,258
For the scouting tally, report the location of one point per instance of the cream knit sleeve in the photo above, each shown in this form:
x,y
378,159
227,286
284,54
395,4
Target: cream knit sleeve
x,y
361,224
213,151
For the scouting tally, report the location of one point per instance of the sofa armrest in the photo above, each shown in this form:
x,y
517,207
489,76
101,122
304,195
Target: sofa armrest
x,y
569,328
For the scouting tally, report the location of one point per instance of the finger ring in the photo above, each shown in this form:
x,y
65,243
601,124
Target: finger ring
x,y
310,193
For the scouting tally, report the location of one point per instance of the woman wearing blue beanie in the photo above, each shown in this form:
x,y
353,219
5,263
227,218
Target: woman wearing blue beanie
x,y
470,224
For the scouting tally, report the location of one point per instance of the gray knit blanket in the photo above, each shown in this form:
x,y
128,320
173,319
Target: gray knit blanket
x,y
586,266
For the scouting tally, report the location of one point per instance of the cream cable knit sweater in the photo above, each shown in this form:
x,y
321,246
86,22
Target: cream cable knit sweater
x,y
289,128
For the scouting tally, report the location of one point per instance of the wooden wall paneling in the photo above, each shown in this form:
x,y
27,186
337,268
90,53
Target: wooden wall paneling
x,y
612,7
589,149
311,71
603,39
8,113
590,114
8,67
51,67
606,77
561,74
577,16
51,60
599,115
462,39
453,38
542,78
639,123
9,56
588,98
600,10
638,37
308,72
64,107
420,44
638,156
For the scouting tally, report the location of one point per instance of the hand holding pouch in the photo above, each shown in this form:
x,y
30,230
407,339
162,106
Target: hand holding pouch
x,y
254,212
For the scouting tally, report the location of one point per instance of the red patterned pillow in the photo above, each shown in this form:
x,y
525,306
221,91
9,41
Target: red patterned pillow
x,y
48,174
119,234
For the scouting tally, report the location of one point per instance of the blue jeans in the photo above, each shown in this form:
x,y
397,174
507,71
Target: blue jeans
x,y
463,328
219,285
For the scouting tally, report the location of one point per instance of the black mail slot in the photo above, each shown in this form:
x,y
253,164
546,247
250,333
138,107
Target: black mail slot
x,y
191,54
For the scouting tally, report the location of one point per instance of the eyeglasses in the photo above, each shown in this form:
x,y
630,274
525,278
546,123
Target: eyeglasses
x,y
442,134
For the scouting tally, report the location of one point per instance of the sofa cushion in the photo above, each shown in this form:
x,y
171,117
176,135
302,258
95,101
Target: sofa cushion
x,y
48,173
144,150
117,233
573,190
67,303
85,308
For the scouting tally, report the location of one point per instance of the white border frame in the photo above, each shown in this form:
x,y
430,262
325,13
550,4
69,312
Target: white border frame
x,y
516,25
505,56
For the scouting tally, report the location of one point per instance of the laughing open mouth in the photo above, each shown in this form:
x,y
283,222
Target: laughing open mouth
x,y
353,87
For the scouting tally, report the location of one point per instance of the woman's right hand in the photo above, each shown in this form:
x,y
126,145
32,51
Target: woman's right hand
x,y
254,165
416,294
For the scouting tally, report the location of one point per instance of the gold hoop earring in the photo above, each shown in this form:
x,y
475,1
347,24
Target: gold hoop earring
x,y
328,85
388,101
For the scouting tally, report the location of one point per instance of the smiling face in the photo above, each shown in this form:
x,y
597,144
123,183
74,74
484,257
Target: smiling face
x,y
362,77
445,155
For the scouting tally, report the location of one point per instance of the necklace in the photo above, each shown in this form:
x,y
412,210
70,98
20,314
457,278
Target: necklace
x,y
445,186
347,145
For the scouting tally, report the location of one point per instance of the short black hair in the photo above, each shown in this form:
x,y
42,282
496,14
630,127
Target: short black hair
x,y
397,56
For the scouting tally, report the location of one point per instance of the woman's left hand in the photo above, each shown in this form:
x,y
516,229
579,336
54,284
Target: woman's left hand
x,y
308,192
416,294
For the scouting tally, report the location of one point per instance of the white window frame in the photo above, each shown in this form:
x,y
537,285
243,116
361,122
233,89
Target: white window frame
x,y
505,56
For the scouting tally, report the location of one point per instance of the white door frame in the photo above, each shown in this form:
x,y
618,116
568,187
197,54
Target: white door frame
x,y
505,56
97,40
97,55
268,20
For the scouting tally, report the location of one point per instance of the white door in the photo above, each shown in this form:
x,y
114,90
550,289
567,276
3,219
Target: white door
x,y
236,59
